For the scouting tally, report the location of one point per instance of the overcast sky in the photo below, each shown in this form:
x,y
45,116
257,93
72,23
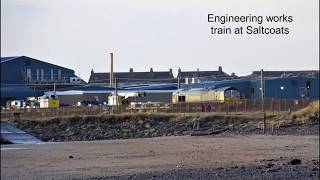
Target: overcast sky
x,y
162,34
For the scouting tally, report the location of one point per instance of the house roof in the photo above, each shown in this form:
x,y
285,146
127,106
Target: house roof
x,y
122,77
184,74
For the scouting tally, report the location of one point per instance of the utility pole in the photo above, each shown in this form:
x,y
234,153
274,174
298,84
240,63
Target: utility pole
x,y
262,91
111,70
116,91
262,103
179,82
54,89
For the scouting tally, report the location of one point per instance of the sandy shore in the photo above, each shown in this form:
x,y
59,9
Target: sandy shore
x,y
123,158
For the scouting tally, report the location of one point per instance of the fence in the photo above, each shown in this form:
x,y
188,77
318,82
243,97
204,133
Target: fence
x,y
244,105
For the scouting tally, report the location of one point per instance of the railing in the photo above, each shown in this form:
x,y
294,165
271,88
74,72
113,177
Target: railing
x,y
244,105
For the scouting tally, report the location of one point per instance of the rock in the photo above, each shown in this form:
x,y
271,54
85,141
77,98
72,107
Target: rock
x,y
269,165
295,162
315,169
273,170
147,125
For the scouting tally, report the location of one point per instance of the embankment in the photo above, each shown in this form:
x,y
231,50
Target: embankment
x,y
124,126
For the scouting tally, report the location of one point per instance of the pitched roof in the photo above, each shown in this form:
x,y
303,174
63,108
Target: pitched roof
x,y
129,77
190,74
5,59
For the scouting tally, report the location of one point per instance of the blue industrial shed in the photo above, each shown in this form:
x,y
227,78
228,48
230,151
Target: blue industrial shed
x,y
18,73
287,88
22,70
275,87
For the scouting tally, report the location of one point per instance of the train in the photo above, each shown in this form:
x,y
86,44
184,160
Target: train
x,y
203,94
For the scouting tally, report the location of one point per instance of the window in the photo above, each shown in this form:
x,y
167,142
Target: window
x,y
38,75
181,98
294,83
252,90
51,75
59,75
42,75
28,75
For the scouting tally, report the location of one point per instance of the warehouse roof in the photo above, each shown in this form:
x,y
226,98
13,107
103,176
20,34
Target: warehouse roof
x,y
5,59
308,73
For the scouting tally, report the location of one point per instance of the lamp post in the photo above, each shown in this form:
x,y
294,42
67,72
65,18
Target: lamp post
x,y
281,89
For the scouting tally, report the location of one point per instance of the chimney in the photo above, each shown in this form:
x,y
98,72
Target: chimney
x,y
92,71
220,69
179,70
111,70
170,70
151,69
131,70
197,69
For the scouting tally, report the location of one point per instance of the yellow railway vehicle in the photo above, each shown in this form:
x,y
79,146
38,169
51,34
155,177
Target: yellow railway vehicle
x,y
202,95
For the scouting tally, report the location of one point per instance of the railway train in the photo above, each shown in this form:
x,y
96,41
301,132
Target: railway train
x,y
202,95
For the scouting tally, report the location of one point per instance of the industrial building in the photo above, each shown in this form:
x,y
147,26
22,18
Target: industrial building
x,y
22,76
275,87
99,94
245,88
133,78
304,73
24,70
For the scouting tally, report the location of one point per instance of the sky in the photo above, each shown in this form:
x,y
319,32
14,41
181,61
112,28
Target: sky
x,y
162,34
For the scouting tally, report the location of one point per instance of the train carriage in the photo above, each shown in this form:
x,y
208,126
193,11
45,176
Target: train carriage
x,y
202,95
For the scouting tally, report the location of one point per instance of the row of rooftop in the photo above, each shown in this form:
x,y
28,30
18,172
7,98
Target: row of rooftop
x,y
23,69
167,76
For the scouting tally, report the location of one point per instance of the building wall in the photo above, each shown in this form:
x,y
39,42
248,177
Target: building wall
x,y
286,88
291,88
28,70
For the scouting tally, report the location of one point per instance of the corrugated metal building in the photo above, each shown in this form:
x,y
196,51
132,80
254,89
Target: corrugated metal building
x,y
276,87
99,94
303,73
22,70
19,73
